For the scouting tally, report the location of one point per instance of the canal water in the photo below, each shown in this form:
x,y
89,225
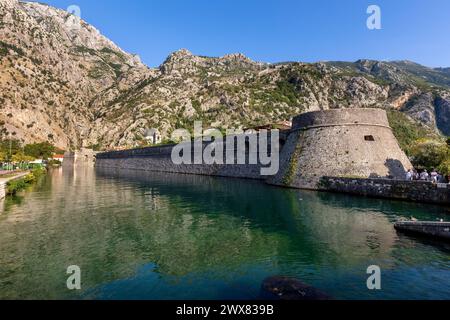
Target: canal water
x,y
139,235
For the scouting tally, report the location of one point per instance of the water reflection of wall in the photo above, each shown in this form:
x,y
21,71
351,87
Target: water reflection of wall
x,y
85,157
110,223
108,228
350,234
325,231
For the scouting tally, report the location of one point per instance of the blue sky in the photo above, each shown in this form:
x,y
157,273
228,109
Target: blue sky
x,y
274,31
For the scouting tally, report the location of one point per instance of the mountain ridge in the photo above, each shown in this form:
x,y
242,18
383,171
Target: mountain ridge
x,y
68,84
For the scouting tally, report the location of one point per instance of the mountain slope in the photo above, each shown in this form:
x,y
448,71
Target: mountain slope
x,y
51,70
64,82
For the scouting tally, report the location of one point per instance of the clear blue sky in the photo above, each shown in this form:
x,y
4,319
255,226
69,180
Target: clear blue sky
x,y
274,31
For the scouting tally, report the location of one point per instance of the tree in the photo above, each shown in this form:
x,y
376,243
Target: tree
x,y
444,167
10,147
20,157
428,153
42,150
3,156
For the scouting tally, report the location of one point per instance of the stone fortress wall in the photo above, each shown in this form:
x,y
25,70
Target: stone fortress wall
x,y
84,156
340,143
158,159
325,150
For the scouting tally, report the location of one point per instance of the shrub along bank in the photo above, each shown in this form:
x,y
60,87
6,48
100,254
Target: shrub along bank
x,y
12,187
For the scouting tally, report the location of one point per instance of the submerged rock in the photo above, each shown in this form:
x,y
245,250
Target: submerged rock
x,y
286,288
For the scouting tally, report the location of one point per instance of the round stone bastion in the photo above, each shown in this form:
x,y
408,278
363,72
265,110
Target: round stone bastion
x,y
340,143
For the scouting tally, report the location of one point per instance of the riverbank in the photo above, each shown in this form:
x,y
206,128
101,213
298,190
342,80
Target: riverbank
x,y
12,183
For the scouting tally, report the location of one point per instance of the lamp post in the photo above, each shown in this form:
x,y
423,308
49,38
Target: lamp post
x,y
10,151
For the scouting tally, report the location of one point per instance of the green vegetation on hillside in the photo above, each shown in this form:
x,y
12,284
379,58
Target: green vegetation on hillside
x,y
424,74
425,148
5,47
429,153
408,131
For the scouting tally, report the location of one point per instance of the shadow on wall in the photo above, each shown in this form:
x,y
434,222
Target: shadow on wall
x,y
396,168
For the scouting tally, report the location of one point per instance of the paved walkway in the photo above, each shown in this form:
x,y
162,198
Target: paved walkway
x,y
18,175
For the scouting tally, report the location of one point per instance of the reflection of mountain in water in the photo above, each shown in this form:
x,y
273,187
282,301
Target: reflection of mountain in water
x,y
305,217
112,223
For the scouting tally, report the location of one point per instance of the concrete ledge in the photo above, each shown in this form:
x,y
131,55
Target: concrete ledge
x,y
430,229
419,191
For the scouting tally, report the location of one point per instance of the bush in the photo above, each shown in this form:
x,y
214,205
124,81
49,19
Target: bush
x,y
15,186
38,172
429,154
29,178
444,167
54,163
406,130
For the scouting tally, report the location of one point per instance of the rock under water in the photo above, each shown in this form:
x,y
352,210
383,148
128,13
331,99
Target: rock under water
x,y
286,288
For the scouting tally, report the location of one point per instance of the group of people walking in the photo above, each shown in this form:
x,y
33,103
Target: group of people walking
x,y
433,176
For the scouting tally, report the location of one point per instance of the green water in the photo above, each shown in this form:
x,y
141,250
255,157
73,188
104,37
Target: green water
x,y
142,235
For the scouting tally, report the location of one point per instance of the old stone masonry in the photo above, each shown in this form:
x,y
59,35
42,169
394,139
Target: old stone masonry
x,y
338,143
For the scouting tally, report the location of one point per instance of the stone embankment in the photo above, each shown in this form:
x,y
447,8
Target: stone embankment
x,y
439,230
419,191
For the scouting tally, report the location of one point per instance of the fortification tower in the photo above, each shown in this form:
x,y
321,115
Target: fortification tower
x,y
340,143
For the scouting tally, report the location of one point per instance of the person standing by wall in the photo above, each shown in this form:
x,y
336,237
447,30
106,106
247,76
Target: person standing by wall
x,y
409,175
424,175
434,176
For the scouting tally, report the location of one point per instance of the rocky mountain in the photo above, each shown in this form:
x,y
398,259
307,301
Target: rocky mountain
x,y
52,68
62,81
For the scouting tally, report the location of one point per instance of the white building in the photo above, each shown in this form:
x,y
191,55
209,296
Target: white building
x,y
152,136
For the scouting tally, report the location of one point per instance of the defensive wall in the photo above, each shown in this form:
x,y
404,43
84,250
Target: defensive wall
x,y
340,143
343,150
159,159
